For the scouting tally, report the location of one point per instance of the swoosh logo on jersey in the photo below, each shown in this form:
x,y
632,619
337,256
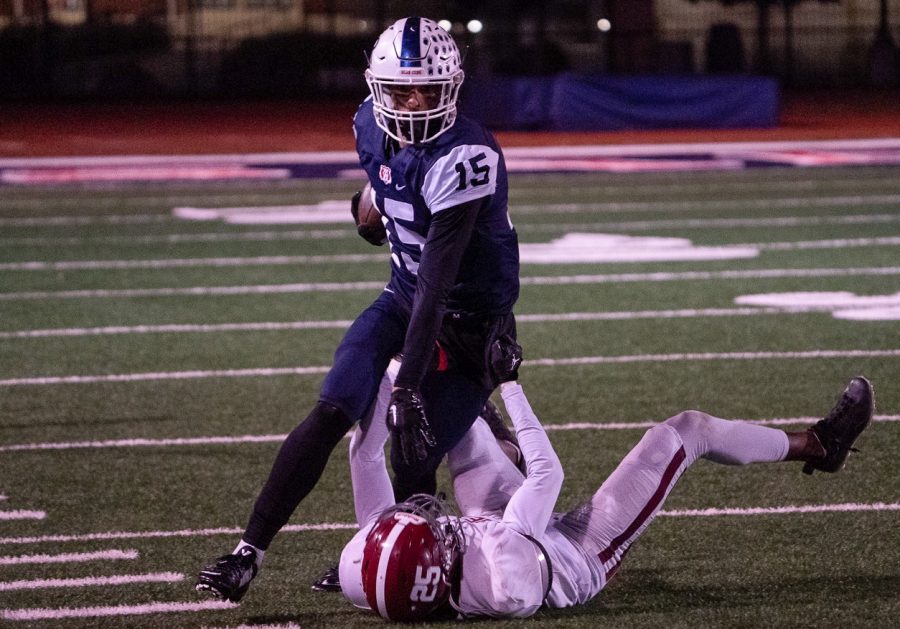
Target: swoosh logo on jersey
x,y
399,187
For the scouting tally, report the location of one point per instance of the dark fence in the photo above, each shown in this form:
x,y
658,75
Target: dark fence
x,y
145,58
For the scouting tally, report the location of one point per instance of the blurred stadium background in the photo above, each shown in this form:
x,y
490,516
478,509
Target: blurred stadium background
x,y
97,48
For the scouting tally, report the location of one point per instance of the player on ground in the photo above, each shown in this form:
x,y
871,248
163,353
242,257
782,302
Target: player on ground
x,y
510,554
440,181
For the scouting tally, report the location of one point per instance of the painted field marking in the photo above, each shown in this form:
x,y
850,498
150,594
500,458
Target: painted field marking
x,y
119,610
706,223
540,280
168,375
350,157
705,356
265,625
841,304
352,526
119,579
848,507
178,328
274,326
278,438
197,291
572,248
100,555
336,211
318,234
63,221
22,514
836,243
177,263
611,207
264,236
209,532
535,362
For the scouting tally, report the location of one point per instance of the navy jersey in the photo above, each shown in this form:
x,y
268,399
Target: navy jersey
x,y
411,186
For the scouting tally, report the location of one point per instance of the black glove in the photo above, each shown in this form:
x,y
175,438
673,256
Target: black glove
x,y
409,428
505,358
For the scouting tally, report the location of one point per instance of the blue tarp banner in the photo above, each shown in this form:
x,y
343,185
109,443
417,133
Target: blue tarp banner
x,y
578,102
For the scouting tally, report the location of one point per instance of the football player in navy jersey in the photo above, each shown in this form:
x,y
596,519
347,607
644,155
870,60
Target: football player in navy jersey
x,y
440,182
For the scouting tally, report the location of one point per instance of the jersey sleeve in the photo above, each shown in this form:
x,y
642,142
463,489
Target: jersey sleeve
x,y
530,508
467,172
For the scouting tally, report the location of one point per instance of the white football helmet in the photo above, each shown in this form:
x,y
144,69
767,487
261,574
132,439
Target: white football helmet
x,y
415,54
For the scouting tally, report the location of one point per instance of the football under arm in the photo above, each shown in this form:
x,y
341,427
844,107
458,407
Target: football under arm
x,y
531,506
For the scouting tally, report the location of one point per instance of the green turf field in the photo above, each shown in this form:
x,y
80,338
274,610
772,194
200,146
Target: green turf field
x,y
658,337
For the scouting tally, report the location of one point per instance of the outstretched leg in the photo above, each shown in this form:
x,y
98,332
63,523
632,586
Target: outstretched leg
x,y
347,392
630,498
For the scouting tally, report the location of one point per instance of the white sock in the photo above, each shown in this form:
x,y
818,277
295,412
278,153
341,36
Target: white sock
x,y
259,553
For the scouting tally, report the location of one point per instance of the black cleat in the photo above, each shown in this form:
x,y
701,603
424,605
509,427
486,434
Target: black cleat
x,y
230,576
328,582
840,428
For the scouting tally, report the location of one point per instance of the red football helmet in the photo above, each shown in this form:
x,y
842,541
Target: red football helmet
x,y
408,558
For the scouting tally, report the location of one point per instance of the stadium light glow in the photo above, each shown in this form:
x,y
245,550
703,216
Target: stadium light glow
x,y
474,26
604,25
446,25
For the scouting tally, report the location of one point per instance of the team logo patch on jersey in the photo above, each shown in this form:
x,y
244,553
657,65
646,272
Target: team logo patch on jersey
x,y
384,173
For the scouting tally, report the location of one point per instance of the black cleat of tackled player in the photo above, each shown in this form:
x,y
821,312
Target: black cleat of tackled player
x,y
230,576
840,428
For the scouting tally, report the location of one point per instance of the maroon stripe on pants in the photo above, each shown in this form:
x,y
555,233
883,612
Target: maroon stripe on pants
x,y
607,553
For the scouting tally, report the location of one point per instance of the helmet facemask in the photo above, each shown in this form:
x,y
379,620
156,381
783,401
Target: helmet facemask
x,y
415,54
447,528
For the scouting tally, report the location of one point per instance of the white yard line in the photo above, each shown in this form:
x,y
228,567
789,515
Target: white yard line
x,y
278,438
319,234
22,514
196,291
64,221
257,236
339,157
555,280
536,362
175,328
168,375
341,526
139,443
174,263
706,223
851,507
836,243
612,207
118,610
117,535
119,579
275,326
100,555
607,207
705,356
